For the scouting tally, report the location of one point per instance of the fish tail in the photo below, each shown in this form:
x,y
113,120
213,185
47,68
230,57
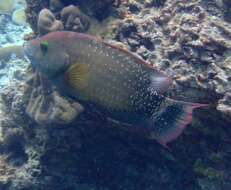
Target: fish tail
x,y
171,120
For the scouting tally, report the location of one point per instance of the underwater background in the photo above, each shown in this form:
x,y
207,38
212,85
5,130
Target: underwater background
x,y
51,142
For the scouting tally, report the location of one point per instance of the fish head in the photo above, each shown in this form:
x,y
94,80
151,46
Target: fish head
x,y
47,55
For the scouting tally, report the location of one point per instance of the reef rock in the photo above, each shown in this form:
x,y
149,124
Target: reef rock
x,y
189,44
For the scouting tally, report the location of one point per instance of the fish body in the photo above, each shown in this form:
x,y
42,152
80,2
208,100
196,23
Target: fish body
x,y
121,84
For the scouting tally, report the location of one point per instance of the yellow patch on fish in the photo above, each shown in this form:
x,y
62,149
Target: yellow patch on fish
x,y
78,76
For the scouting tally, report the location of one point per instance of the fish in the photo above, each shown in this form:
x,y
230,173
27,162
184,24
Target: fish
x,y
120,83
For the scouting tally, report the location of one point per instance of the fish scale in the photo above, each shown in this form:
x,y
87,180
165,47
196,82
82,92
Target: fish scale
x,y
117,82
114,77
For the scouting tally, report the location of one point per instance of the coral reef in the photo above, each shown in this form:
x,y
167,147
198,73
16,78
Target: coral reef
x,y
45,135
74,19
32,10
12,62
189,44
46,106
15,8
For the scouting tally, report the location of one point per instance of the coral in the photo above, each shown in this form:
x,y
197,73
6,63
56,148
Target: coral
x,y
47,22
6,7
46,106
16,8
191,46
74,19
19,17
187,39
99,9
32,11
6,171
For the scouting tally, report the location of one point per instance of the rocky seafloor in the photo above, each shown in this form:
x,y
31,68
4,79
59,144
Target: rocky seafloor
x,y
51,142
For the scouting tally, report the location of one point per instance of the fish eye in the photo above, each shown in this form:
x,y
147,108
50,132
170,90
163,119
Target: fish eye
x,y
44,47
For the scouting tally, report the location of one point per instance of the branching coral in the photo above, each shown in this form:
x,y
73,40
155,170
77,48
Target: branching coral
x,y
47,22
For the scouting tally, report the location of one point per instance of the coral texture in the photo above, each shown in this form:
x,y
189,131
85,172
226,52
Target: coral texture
x,y
46,106
74,19
47,22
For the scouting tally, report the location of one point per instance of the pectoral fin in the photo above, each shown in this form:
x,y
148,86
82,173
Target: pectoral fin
x,y
78,76
172,121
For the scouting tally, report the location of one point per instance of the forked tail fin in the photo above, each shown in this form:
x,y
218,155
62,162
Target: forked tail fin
x,y
170,122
